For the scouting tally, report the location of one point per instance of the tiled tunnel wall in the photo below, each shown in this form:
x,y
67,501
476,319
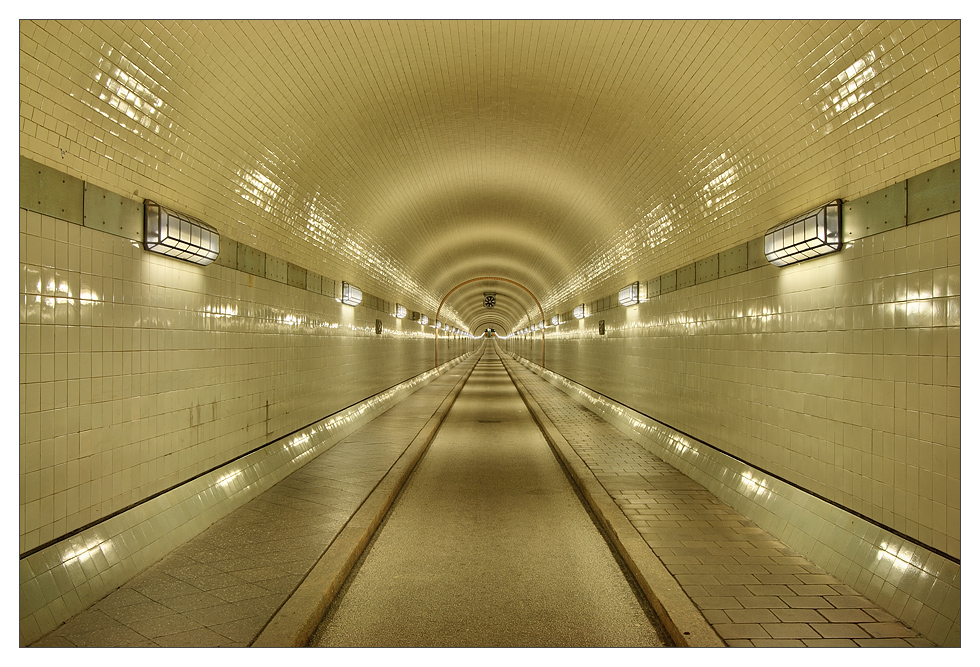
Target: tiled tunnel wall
x,y
840,375
836,379
139,372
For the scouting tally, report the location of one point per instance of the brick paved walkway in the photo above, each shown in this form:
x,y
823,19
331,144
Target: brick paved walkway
x,y
751,588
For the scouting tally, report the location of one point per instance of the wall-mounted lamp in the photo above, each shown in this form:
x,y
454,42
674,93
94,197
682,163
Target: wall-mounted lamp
x,y
350,295
813,234
555,320
630,295
424,319
438,324
177,235
579,311
400,311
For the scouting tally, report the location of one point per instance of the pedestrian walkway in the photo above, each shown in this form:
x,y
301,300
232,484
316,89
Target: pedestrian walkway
x,y
223,587
751,588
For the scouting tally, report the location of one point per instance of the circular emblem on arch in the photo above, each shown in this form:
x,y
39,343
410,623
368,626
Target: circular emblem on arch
x,y
489,301
435,338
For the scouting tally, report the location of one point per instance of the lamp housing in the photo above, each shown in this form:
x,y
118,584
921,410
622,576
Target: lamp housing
x,y
400,311
815,233
630,295
350,295
177,235
579,311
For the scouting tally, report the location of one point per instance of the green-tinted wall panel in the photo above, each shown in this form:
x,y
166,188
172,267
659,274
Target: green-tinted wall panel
x,y
111,213
50,192
934,193
275,269
251,260
755,253
668,282
686,276
874,213
706,269
734,260
313,282
227,253
295,275
653,288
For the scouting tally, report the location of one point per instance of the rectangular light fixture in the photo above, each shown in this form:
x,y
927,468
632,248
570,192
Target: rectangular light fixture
x,y
177,235
630,295
579,311
813,234
400,311
351,295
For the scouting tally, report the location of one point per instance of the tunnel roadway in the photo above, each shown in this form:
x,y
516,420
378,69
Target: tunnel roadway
x,y
488,544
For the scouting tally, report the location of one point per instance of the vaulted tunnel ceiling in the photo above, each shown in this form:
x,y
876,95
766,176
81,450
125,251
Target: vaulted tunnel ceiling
x,y
571,157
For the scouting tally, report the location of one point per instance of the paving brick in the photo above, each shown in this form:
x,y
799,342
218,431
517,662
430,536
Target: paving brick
x,y
879,615
817,589
751,616
839,630
798,615
715,616
740,631
788,630
720,590
736,579
770,589
716,602
849,601
778,578
778,643
830,643
808,602
846,616
891,642
761,601
828,579
881,630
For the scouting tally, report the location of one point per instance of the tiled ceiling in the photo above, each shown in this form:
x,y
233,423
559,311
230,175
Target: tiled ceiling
x,y
571,157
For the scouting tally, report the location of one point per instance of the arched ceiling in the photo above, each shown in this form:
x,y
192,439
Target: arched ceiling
x,y
571,157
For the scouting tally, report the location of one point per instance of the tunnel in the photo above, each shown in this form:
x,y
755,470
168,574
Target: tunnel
x,y
688,289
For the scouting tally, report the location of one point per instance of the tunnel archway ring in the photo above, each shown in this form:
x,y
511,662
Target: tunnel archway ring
x,y
473,280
